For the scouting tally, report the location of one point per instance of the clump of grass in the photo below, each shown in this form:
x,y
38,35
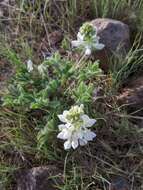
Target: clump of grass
x,y
122,68
115,9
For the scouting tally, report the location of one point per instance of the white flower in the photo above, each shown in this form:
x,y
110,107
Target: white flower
x,y
80,37
79,42
98,46
88,51
88,42
75,129
29,65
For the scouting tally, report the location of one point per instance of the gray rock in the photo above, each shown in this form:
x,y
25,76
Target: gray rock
x,y
119,184
114,34
38,178
132,94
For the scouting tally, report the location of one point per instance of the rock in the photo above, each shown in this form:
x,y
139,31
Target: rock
x,y
119,184
103,57
114,34
38,178
132,94
116,38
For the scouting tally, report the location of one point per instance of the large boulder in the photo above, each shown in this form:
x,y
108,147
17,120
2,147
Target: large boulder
x,y
113,33
115,36
38,178
119,183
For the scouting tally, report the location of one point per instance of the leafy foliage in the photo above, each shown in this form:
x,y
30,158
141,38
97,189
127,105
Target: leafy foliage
x,y
35,90
47,86
52,86
83,93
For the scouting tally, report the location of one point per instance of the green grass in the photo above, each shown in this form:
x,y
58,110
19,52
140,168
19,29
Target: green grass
x,y
122,68
27,137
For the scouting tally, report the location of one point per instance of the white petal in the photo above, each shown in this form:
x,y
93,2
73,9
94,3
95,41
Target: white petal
x,y
75,144
68,125
85,118
62,118
29,65
89,135
67,145
64,134
61,127
99,46
88,51
87,122
80,37
82,106
61,135
82,142
76,43
65,113
96,39
90,122
80,134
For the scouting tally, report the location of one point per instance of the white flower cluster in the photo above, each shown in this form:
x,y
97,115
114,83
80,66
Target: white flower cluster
x,y
41,68
75,129
88,41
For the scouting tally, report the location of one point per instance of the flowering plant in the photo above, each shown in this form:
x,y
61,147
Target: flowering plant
x,y
34,86
87,39
75,128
